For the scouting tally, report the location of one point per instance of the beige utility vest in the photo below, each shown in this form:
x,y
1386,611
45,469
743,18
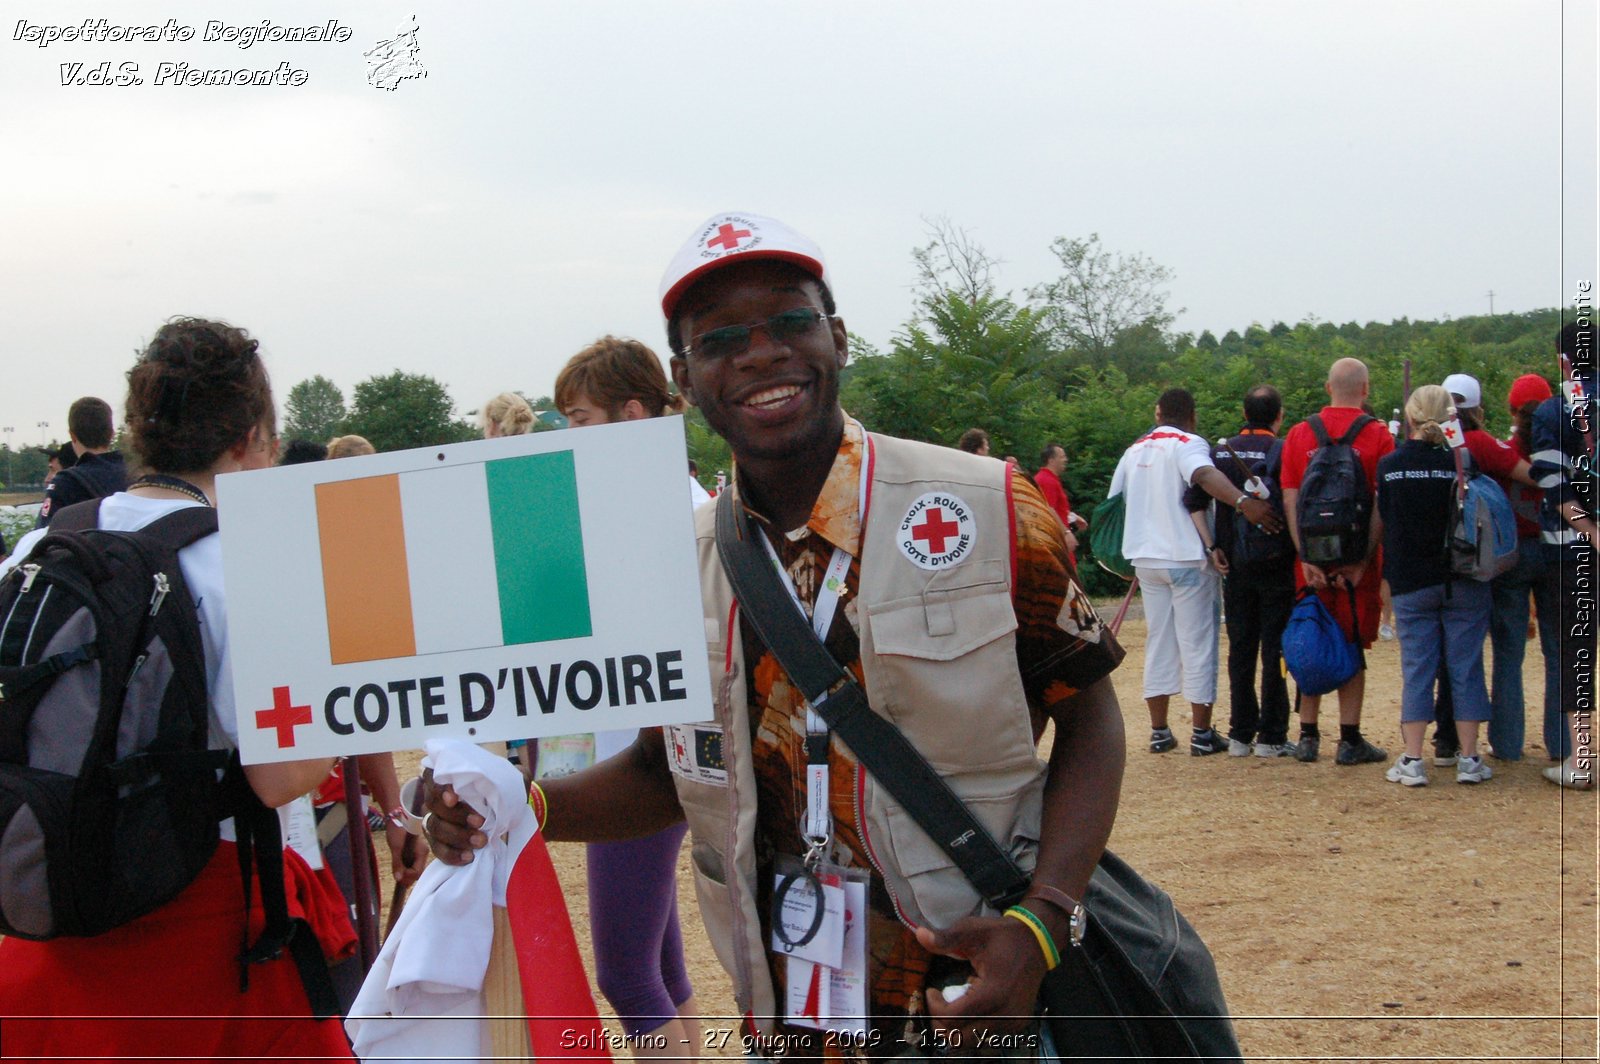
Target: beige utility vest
x,y
938,649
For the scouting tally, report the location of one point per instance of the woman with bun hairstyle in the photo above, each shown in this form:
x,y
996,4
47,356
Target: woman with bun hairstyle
x,y
1436,615
633,886
199,405
507,414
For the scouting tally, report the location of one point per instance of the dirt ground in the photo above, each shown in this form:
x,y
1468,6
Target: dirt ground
x,y
1350,918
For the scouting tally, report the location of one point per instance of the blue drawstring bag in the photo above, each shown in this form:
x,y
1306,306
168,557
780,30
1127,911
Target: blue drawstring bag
x,y
1320,656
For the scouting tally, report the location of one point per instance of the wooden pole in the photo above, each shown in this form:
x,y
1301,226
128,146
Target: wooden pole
x,y
1122,611
502,995
361,876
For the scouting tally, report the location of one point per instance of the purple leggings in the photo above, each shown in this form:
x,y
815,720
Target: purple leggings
x,y
633,921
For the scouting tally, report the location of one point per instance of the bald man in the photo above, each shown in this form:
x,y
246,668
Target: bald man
x,y
1347,388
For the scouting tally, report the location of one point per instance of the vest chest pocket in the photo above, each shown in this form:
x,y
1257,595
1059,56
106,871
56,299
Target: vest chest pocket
x,y
945,671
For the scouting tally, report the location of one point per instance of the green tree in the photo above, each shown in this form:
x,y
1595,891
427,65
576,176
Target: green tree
x,y
1100,294
314,410
403,410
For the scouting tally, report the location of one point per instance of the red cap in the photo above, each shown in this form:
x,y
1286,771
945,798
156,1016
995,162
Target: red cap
x,y
1530,387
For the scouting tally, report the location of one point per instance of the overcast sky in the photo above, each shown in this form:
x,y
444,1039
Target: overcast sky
x,y
1342,159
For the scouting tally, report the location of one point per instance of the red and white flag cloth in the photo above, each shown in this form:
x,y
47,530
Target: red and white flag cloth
x,y
424,998
1452,432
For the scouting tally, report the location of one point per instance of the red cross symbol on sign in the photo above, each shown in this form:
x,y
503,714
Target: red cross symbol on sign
x,y
728,237
283,717
934,530
1450,432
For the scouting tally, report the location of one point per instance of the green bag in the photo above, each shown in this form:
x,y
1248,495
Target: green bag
x,y
1105,536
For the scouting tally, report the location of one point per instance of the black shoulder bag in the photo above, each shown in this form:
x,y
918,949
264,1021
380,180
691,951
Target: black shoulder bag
x,y
1140,985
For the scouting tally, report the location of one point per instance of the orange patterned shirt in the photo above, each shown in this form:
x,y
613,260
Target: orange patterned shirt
x,y
1062,647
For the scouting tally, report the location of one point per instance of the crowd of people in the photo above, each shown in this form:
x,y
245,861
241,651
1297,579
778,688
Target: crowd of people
x,y
1215,535
757,345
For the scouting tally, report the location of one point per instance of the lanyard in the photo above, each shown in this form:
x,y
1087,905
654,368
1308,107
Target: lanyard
x,y
818,830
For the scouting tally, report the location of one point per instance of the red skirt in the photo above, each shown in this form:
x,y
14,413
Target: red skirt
x,y
165,986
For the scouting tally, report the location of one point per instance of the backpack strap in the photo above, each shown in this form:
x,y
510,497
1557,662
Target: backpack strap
x,y
78,517
260,841
1350,434
1319,429
181,527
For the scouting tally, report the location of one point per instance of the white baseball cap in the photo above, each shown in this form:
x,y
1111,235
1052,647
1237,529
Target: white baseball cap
x,y
735,236
1466,387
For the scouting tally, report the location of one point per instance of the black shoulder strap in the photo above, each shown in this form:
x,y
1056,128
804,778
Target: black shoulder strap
x,y
1319,429
260,842
182,526
78,517
1350,434
880,746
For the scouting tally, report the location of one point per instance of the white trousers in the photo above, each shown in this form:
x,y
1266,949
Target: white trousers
x,y
1180,610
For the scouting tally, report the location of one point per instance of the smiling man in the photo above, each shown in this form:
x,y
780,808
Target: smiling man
x,y
941,581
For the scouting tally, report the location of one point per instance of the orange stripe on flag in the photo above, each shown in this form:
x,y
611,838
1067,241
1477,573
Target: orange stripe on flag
x,y
364,574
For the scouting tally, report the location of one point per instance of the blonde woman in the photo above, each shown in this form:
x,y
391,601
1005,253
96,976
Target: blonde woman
x,y
350,447
1439,617
507,414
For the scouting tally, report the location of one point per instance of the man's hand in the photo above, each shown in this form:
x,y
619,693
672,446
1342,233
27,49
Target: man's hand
x,y
450,824
1219,561
1315,576
407,854
1007,968
1260,513
1349,575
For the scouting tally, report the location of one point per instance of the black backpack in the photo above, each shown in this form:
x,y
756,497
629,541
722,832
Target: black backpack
x,y
1251,549
110,799
1334,510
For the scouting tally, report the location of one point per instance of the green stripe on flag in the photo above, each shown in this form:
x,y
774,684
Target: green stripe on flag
x,y
538,548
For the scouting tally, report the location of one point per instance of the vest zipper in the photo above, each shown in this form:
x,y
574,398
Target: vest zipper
x,y
872,854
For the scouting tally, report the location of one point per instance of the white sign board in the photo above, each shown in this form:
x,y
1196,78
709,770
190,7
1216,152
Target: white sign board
x,y
500,589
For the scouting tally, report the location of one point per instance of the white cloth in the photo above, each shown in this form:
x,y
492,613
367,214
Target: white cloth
x,y
1152,476
433,963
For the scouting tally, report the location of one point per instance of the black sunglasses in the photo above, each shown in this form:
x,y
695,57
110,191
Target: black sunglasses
x,y
733,340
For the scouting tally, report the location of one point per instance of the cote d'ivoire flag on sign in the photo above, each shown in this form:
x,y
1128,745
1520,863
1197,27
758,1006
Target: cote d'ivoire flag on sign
x,y
509,588
382,539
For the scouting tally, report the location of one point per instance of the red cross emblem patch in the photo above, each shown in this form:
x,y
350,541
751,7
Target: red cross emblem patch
x,y
938,531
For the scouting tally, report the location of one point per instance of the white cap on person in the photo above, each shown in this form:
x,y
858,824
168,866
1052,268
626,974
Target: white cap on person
x,y
735,236
1466,390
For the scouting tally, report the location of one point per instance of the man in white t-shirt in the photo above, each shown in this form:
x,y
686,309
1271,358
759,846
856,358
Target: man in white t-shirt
x,y
1177,564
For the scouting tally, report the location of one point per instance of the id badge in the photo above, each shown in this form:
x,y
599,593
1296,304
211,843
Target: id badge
x,y
834,998
808,912
298,820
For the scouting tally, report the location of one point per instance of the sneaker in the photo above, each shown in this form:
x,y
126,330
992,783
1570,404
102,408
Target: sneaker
x,y
1206,742
1446,758
1386,632
1566,774
1472,770
1361,753
1277,750
1306,749
1238,749
1407,773
1161,740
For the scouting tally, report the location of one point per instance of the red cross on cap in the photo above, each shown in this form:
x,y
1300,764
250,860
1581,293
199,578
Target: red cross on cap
x,y
934,530
283,717
728,237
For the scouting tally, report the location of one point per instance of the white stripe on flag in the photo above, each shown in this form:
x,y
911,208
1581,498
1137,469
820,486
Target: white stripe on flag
x,y
455,605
